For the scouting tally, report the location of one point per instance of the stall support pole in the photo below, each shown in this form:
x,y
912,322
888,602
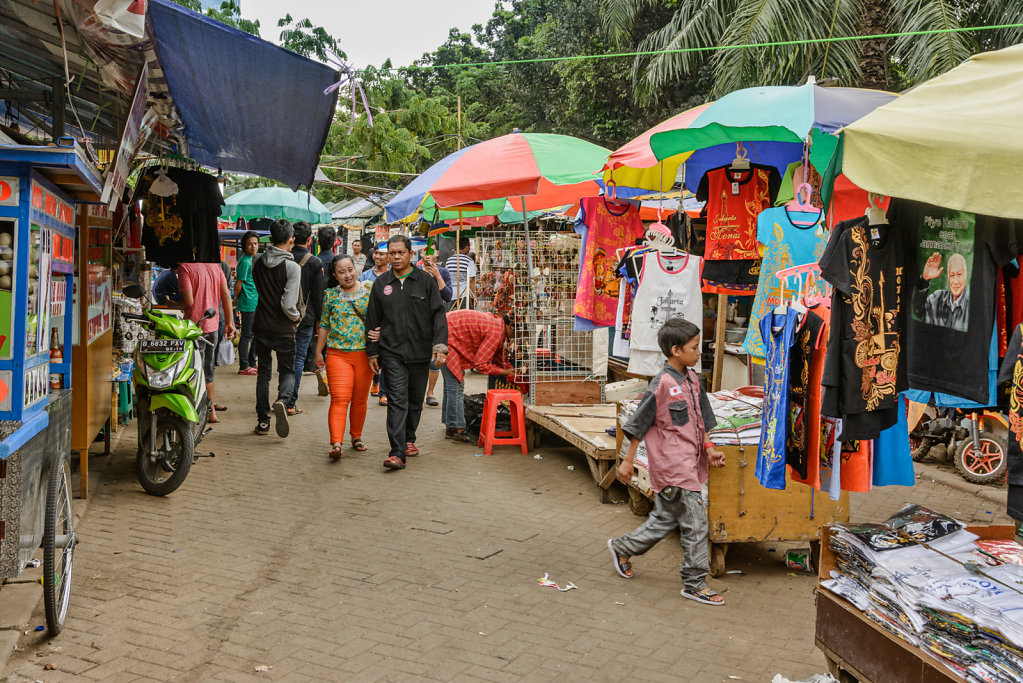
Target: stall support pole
x,y
531,318
719,342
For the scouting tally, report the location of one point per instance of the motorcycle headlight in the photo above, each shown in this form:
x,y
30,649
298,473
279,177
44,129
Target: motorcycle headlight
x,y
159,379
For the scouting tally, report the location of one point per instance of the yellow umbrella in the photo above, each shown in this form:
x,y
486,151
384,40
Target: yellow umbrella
x,y
955,141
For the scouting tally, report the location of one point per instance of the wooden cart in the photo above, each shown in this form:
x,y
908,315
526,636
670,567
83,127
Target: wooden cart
x,y
740,510
858,650
583,426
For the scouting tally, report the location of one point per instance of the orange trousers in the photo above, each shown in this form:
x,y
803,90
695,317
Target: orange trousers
x,y
349,377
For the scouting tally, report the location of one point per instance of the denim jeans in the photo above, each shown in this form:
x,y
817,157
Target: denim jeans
x,y
452,407
246,349
303,337
284,347
406,389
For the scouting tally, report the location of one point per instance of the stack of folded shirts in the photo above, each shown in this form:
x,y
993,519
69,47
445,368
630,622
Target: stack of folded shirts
x,y
941,596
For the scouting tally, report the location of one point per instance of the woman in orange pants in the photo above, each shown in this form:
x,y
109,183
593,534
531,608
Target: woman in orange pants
x,y
341,347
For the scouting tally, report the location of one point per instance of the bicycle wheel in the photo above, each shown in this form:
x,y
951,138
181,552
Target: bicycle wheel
x,y
58,547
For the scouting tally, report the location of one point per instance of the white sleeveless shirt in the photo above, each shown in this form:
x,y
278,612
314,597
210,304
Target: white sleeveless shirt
x,y
669,287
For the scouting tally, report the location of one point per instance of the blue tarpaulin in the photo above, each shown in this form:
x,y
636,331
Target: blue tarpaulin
x,y
247,105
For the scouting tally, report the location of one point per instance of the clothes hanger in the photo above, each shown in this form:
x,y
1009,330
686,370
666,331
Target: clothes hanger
x,y
740,162
797,204
875,213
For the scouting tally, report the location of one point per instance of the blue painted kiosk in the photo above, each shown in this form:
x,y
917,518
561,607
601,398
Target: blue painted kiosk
x,y
41,188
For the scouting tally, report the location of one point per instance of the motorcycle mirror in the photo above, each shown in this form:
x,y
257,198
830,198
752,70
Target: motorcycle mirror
x,y
210,312
134,291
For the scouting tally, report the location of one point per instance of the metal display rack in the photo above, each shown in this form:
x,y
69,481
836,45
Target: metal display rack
x,y
564,366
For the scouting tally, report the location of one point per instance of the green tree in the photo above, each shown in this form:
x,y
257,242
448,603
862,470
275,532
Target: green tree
x,y
303,38
878,63
229,13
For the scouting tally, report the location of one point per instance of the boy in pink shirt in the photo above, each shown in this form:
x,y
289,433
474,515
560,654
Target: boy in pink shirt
x,y
673,418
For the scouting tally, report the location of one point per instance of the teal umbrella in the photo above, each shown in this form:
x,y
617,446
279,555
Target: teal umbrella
x,y
275,202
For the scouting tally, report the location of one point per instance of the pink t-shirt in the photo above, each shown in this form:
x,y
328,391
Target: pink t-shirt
x,y
203,280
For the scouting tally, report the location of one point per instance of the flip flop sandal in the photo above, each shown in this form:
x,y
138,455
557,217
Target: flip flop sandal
x,y
212,420
703,596
295,411
620,567
358,445
220,408
335,453
382,401
411,450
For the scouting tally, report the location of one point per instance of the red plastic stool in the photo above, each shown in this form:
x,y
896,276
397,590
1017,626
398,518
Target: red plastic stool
x,y
517,436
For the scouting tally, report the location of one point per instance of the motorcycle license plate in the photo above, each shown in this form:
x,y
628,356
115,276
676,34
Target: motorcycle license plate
x,y
162,345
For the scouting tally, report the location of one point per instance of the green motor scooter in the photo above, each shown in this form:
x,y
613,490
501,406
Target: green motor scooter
x,y
171,403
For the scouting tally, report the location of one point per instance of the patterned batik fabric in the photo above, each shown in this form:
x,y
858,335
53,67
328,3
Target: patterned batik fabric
x,y
778,329
866,350
801,414
1012,373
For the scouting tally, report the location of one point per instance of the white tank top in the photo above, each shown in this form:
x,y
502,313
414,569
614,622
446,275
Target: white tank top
x,y
669,287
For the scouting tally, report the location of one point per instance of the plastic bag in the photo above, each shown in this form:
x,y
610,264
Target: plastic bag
x,y
225,352
474,415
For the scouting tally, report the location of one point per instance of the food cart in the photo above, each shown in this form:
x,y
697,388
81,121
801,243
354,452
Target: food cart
x,y
39,190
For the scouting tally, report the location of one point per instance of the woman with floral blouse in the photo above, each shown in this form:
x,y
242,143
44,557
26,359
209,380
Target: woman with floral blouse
x,y
342,335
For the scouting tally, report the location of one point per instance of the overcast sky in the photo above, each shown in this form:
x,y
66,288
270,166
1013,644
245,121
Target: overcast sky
x,y
370,31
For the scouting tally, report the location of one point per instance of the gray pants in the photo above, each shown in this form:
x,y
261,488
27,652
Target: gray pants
x,y
682,511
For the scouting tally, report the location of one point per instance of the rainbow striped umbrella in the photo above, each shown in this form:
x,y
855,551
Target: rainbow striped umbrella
x,y
543,170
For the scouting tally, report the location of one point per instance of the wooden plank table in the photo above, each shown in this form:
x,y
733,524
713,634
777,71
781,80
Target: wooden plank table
x,y
582,426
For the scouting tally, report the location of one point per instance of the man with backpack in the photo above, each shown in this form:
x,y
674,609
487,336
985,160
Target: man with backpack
x,y
279,309
312,292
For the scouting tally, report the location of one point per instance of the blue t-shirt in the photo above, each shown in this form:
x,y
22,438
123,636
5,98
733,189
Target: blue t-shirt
x,y
786,245
778,330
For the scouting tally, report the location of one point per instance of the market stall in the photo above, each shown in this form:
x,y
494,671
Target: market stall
x,y
92,337
40,188
919,597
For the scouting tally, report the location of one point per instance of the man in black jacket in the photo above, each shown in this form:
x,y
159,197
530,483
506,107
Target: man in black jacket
x,y
312,292
405,304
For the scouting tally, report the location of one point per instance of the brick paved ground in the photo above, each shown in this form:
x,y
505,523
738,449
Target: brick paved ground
x,y
272,556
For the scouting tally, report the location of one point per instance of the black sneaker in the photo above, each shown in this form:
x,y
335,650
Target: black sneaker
x,y
281,419
449,432
462,437
262,428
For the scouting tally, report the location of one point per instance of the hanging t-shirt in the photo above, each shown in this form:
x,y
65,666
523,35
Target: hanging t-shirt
x,y
800,422
831,457
669,287
816,433
866,366
1012,372
734,199
893,459
181,228
609,227
786,245
778,329
957,257
856,464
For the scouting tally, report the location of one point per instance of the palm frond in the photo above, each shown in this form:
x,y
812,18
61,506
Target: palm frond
x,y
617,17
696,24
783,21
1000,13
929,55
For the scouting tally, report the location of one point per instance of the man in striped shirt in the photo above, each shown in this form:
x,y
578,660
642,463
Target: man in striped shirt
x,y
462,269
